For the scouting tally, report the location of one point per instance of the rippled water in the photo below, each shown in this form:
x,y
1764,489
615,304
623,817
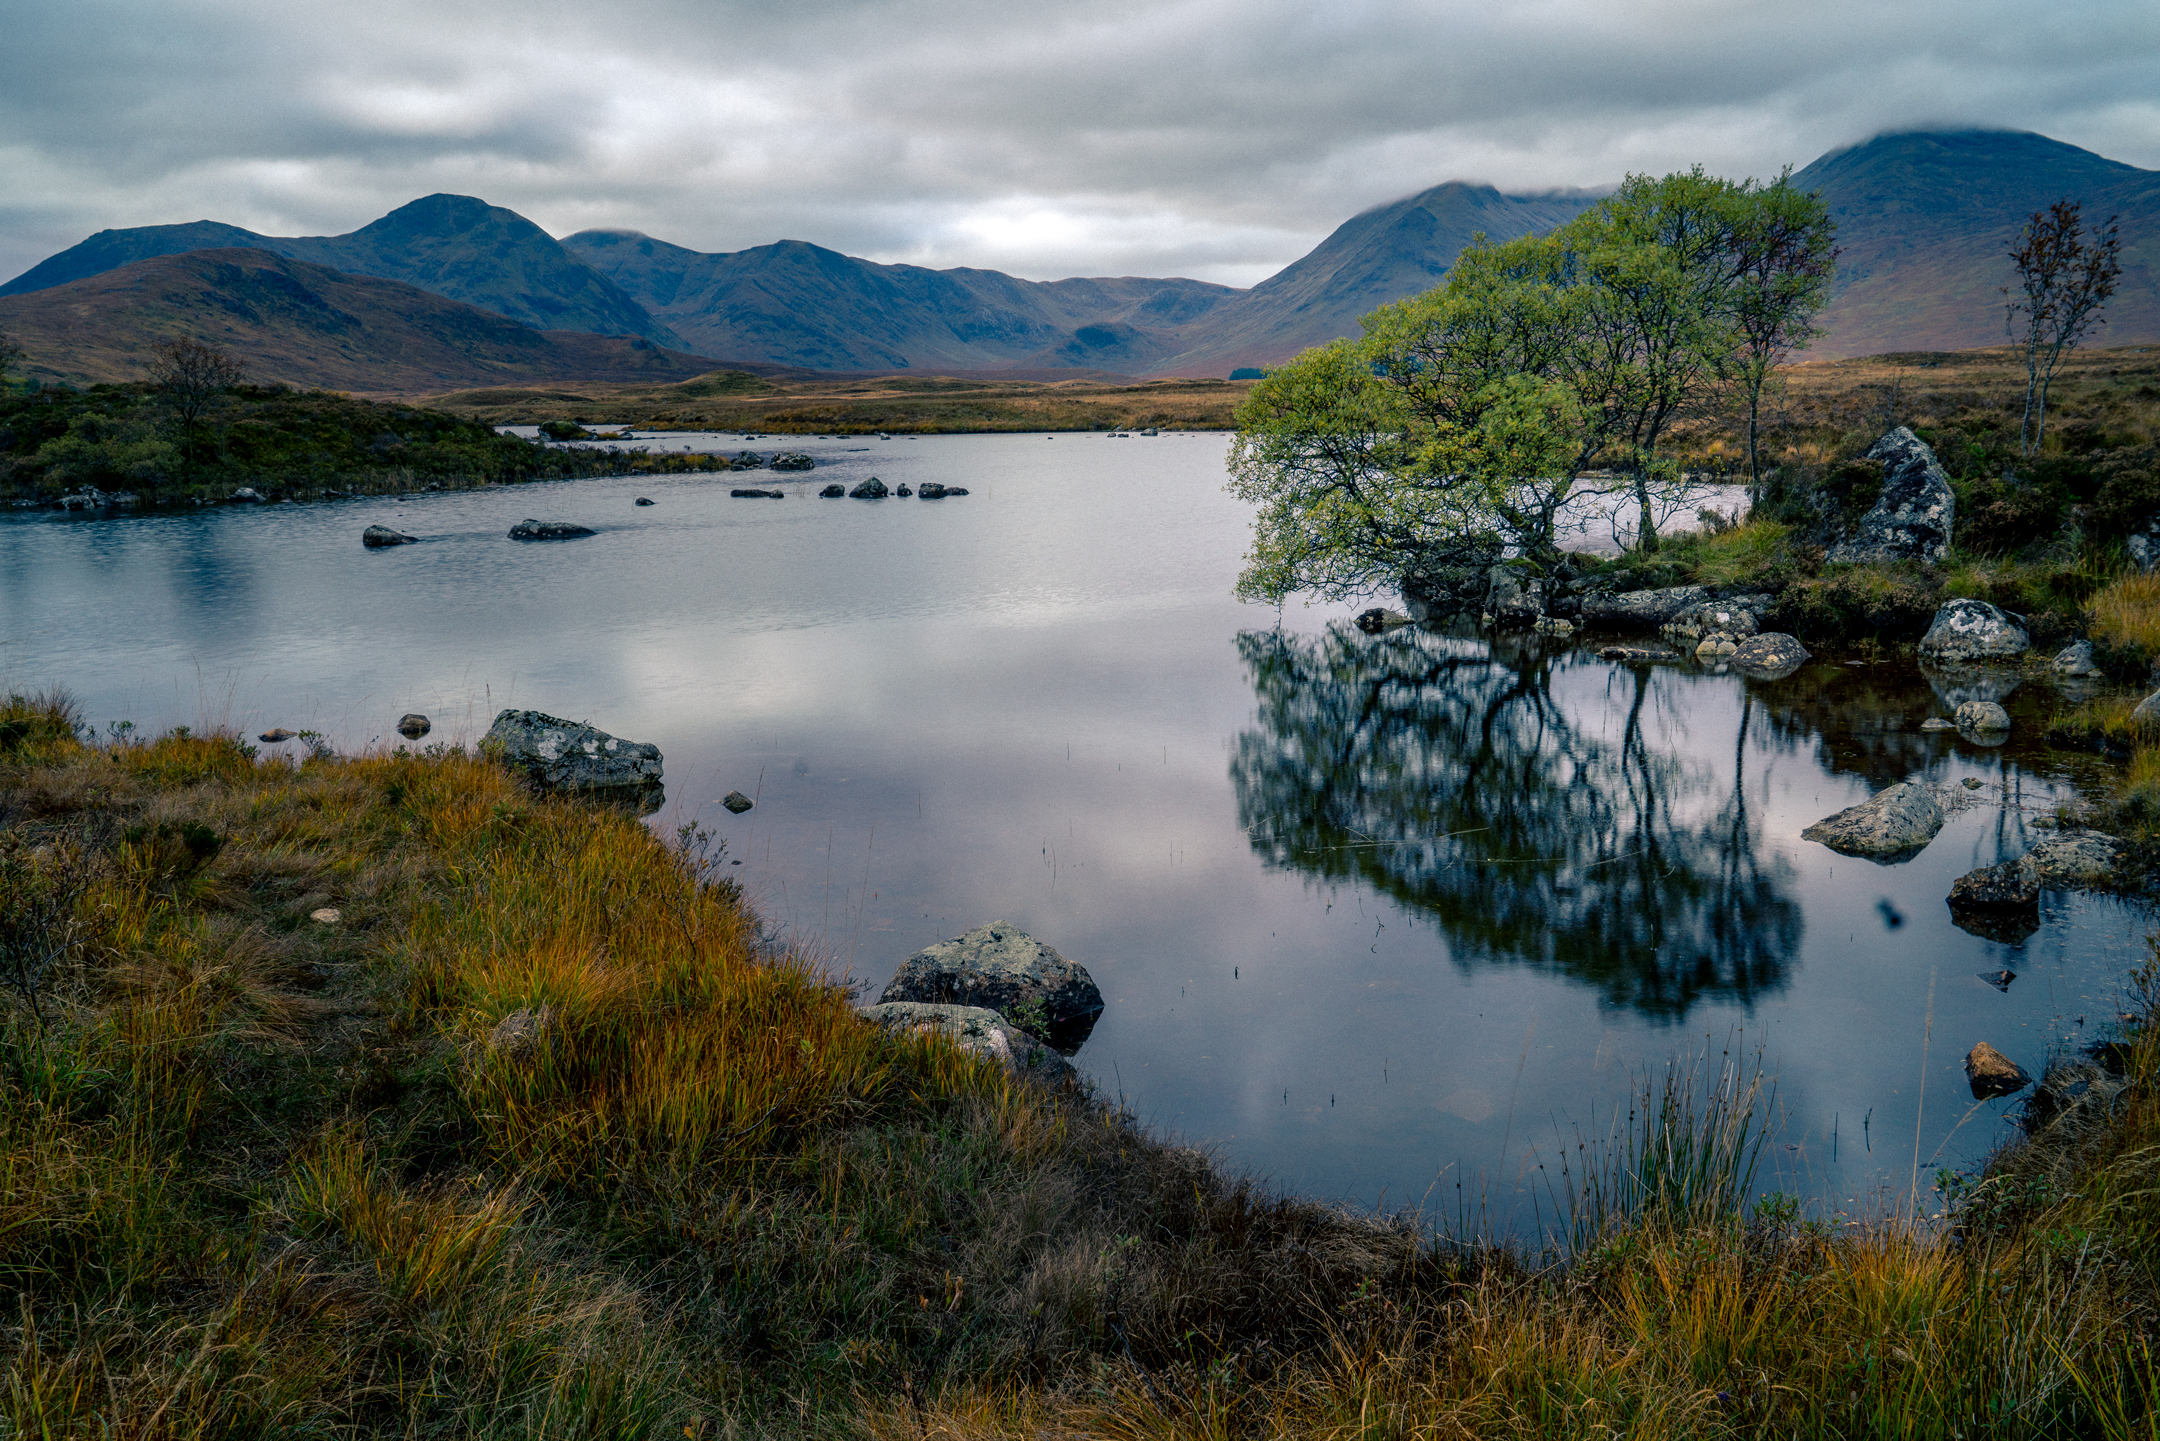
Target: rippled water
x,y
1375,916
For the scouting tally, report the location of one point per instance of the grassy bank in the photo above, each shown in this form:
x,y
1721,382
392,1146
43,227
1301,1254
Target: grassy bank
x,y
539,1136
285,444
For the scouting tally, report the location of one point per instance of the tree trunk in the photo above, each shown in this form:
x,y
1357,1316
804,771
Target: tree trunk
x,y
1754,431
1646,539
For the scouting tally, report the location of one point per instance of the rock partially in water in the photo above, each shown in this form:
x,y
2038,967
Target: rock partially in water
x,y
931,490
2074,860
1892,825
1973,630
793,460
1640,609
1512,598
2075,662
1772,655
1711,619
275,734
248,494
1983,720
1553,625
903,492
530,529
834,491
1937,723
1636,653
643,500
412,725
2010,886
561,755
737,802
1912,518
1009,971
979,1030
748,460
1991,1073
377,536
871,489
753,493
1378,621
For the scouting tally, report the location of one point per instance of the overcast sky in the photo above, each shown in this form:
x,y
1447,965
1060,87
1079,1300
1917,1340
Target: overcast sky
x,y
1211,138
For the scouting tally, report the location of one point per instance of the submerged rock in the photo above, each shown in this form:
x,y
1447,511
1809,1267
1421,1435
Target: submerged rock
x,y
979,1030
377,536
1973,630
1009,971
1937,723
1889,826
560,755
1772,655
1636,653
530,529
1991,1073
1912,518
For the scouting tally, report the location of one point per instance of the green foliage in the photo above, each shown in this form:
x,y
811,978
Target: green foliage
x,y
110,452
1851,604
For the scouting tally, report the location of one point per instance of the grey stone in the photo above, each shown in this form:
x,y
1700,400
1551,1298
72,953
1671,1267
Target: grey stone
x,y
1772,655
1640,609
2144,547
560,755
955,490
737,802
1553,625
1009,971
530,529
793,460
247,493
1973,630
1913,517
1891,825
748,460
834,491
903,492
1983,717
1711,618
931,490
2011,886
1378,621
753,493
871,489
1512,598
412,725
642,500
2073,860
1937,723
2075,662
979,1031
2145,716
1991,1073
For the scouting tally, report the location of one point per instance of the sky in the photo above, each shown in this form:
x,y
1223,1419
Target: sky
x,y
1218,139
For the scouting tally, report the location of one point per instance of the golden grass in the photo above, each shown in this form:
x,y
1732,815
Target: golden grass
x,y
2127,613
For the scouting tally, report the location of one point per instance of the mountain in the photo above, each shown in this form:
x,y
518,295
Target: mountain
x,y
453,245
1926,222
307,325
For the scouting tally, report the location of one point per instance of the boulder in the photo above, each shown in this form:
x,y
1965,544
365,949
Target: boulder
x,y
871,489
1553,625
753,493
560,755
748,460
1772,655
1983,717
1912,518
793,460
835,491
979,1031
2145,715
931,490
2075,662
1377,621
1991,1073
955,490
1715,647
2073,860
2144,547
326,915
247,493
737,802
275,734
412,725
1889,826
1711,618
2011,886
1973,630
1009,971
530,529
1937,723
1640,609
903,492
641,500
376,536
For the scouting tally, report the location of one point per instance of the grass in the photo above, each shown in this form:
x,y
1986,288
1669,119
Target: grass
x,y
2126,613
543,1138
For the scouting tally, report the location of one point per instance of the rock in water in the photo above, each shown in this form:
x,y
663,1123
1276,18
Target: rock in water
x,y
413,725
1640,609
903,492
1973,630
753,493
247,493
835,491
2011,886
376,536
561,755
979,1030
1991,1073
2076,661
931,490
1773,655
275,734
1012,973
1889,826
1377,621
642,500
793,460
1912,518
1937,723
1983,718
530,529
871,489
737,802
2073,860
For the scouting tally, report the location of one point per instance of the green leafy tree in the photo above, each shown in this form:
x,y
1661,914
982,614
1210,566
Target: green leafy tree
x,y
1784,257
2065,277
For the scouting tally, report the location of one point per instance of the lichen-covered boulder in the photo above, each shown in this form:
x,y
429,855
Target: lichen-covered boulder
x,y
1912,518
1891,825
2075,661
1002,967
1983,718
2074,860
1771,655
979,1030
560,755
1973,630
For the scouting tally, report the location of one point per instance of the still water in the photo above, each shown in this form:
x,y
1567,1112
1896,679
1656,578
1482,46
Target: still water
x,y
1377,918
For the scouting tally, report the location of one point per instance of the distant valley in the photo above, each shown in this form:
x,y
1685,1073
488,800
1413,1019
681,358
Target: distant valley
x,y
461,293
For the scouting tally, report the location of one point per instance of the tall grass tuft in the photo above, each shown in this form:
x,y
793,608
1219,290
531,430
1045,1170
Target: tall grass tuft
x,y
1682,1157
2127,613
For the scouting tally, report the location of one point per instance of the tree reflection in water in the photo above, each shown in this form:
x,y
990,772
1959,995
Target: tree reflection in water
x,y
1446,774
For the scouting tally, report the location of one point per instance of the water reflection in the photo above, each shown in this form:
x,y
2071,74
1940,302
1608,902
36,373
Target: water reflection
x,y
1561,833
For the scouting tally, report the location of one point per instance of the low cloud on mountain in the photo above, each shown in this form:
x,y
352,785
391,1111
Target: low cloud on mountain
x,y
1204,138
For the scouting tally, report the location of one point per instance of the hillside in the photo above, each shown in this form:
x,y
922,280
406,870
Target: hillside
x,y
309,326
452,245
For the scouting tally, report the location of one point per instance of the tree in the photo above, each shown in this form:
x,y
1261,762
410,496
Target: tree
x,y
1783,259
2065,279
191,376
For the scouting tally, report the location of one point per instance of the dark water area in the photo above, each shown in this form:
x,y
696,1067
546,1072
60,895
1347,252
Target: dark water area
x,y
1377,917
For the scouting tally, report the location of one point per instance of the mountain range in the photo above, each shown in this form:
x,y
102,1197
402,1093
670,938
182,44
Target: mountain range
x,y
1925,221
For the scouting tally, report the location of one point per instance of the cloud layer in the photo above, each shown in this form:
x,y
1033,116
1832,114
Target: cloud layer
x,y
1214,138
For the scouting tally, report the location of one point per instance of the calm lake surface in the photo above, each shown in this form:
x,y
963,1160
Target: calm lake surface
x,y
1376,917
